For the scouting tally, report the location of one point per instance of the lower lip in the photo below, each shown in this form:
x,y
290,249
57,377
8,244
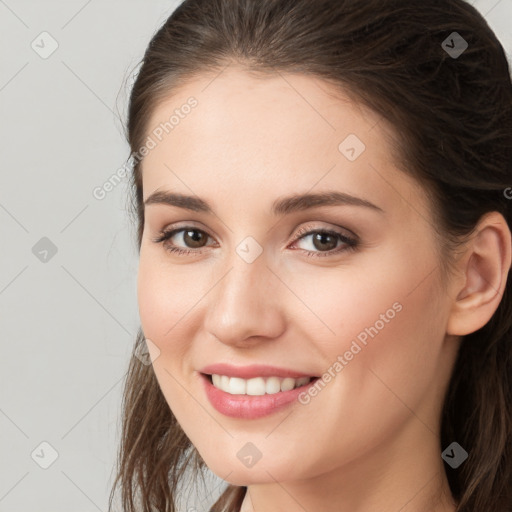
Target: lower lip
x,y
250,406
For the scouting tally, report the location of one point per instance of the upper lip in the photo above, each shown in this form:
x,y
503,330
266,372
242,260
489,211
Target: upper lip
x,y
251,371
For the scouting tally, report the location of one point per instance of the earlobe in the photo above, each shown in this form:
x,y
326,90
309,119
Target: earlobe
x,y
486,266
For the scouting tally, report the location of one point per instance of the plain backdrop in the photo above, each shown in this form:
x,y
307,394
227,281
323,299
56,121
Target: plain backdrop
x,y
68,306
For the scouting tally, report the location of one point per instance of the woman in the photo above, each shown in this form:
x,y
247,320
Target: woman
x,y
322,191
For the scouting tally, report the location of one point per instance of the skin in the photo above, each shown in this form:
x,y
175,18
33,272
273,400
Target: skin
x,y
370,439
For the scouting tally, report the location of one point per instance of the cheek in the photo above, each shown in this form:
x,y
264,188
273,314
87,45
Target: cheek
x,y
338,304
388,331
165,302
166,294
149,298
392,332
385,318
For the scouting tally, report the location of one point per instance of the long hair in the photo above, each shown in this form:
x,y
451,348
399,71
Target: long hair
x,y
452,115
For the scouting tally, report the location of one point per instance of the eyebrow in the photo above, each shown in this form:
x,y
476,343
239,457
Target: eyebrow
x,y
281,206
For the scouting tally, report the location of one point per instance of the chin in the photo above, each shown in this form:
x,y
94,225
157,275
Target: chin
x,y
235,473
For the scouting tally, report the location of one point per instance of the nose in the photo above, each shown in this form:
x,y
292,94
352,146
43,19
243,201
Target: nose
x,y
246,306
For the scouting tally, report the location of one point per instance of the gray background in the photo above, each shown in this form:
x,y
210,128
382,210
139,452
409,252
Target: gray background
x,y
68,320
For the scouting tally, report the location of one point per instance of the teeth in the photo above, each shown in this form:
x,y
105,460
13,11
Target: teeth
x,y
257,386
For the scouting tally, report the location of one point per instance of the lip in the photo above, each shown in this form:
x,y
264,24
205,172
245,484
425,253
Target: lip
x,y
252,371
251,406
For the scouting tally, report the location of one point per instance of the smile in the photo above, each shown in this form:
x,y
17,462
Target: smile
x,y
257,386
255,397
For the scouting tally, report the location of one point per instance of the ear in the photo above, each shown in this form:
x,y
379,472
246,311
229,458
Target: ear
x,y
484,270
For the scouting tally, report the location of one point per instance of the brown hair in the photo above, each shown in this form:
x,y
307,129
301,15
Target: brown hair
x,y
453,122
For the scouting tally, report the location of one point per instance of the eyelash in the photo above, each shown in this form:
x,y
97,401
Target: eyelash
x,y
350,243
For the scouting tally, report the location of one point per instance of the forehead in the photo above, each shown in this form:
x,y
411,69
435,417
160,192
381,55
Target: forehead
x,y
269,135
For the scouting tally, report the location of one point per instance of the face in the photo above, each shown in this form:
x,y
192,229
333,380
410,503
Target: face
x,y
345,291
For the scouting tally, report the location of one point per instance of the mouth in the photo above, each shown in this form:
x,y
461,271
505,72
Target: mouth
x,y
257,386
255,397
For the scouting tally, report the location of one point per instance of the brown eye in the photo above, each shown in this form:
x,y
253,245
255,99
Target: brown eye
x,y
325,241
322,242
194,238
